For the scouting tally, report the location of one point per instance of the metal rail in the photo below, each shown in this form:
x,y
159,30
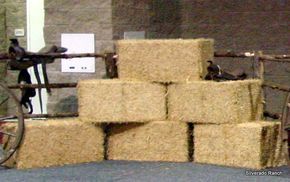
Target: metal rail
x,y
51,85
272,115
263,57
56,115
276,87
28,55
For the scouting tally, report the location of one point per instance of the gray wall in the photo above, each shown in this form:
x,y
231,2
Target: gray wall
x,y
12,16
76,16
165,19
15,17
159,19
2,27
2,48
239,25
128,15
2,36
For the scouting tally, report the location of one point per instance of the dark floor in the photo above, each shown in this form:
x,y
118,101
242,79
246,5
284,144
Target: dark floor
x,y
139,171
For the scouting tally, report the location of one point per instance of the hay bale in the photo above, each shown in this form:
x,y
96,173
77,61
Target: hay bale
x,y
279,152
119,101
153,141
164,60
215,102
250,145
59,142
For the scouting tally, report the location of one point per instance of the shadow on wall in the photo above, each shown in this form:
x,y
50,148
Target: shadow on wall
x,y
67,105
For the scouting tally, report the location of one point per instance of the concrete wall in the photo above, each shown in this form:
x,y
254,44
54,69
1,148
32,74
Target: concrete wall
x,y
159,19
2,26
12,16
128,15
2,35
244,25
75,16
15,19
165,19
2,49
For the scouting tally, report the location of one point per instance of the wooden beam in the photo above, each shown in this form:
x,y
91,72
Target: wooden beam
x,y
272,115
56,115
52,85
231,54
63,56
276,87
29,55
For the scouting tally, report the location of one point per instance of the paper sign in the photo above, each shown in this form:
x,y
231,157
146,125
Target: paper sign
x,y
134,35
78,43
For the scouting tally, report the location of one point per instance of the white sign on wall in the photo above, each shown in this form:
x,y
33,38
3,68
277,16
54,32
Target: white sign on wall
x,y
134,35
78,43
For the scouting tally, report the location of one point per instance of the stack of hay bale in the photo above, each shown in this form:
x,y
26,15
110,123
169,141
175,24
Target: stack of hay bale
x,y
138,101
149,109
160,90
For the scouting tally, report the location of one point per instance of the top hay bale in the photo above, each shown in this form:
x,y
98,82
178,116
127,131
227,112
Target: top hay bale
x,y
164,60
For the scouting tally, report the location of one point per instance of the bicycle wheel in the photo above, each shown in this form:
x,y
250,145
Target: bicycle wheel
x,y
11,123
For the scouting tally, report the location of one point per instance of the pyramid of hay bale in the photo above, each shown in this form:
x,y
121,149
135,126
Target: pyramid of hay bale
x,y
234,104
187,98
139,96
58,142
148,119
